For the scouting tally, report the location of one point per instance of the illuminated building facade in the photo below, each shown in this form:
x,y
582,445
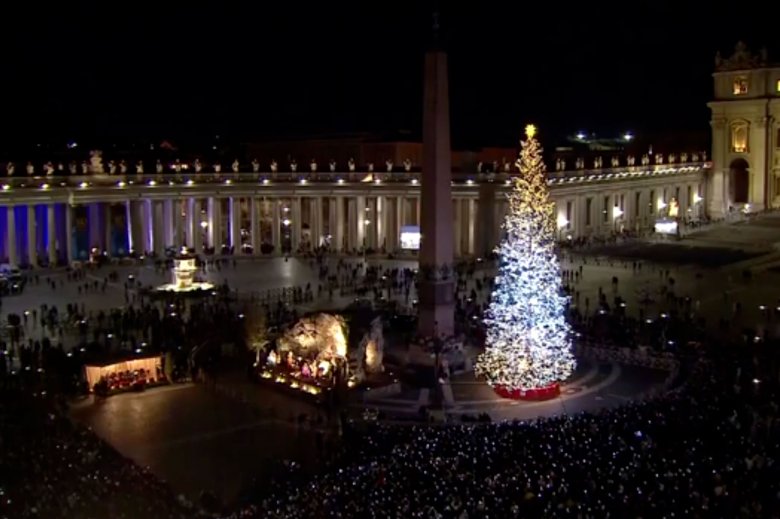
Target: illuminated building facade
x,y
57,219
745,134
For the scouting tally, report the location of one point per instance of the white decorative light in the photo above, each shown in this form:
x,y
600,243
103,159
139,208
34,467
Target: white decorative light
x,y
617,212
121,183
83,185
44,186
190,182
414,181
6,187
265,181
152,183
340,181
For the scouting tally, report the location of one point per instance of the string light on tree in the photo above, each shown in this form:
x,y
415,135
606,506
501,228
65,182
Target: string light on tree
x,y
528,345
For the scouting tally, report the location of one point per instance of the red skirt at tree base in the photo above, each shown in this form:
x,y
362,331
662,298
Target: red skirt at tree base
x,y
537,393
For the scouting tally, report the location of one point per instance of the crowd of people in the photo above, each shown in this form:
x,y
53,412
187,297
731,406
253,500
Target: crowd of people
x,y
708,448
51,467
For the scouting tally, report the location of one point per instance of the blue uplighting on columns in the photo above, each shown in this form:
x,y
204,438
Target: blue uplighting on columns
x,y
119,245
41,230
80,233
4,233
20,213
61,234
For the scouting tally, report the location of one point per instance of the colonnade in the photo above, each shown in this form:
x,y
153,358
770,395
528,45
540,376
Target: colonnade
x,y
66,230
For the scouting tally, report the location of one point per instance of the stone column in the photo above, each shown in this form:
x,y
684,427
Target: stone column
x,y
195,228
717,191
382,219
169,219
296,223
129,225
158,228
213,218
191,224
69,233
178,223
628,210
235,224
577,216
318,228
219,236
371,222
360,211
106,210
352,218
400,219
276,235
339,227
51,234
458,226
501,210
471,211
32,250
485,220
144,208
332,223
254,231
94,226
11,235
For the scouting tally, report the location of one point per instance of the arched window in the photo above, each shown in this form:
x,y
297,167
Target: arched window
x,y
739,137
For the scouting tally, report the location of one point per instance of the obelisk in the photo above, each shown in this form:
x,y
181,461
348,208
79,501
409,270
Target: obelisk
x,y
436,286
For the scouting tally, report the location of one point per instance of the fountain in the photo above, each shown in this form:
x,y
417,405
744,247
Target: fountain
x,y
184,269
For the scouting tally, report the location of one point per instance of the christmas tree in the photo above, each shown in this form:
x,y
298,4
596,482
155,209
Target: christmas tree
x,y
528,346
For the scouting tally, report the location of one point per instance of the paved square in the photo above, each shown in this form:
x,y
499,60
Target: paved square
x,y
197,440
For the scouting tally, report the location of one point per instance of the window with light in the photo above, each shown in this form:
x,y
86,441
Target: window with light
x,y
777,86
739,137
740,86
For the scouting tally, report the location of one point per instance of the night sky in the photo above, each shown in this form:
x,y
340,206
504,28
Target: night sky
x,y
124,71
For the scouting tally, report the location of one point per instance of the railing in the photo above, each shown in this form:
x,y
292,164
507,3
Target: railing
x,y
191,178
